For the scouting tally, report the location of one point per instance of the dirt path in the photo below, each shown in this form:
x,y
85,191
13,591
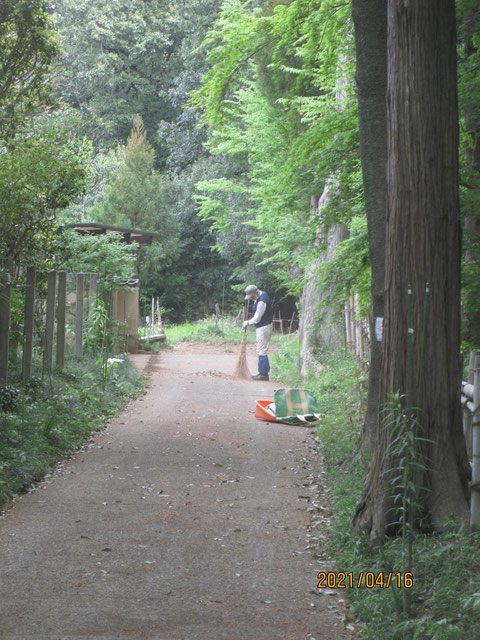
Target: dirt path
x,y
186,518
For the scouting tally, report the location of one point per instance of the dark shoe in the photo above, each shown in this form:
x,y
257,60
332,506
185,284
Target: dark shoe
x,y
261,376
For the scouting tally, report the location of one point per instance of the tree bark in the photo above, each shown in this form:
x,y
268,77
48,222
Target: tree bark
x,y
421,347
370,21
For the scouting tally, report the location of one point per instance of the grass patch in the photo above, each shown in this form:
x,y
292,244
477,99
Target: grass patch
x,y
446,567
285,362
221,330
48,418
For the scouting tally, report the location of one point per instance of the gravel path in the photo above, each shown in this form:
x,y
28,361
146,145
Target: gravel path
x,y
186,518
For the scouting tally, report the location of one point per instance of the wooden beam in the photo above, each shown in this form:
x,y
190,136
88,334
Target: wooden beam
x,y
5,294
28,323
61,319
49,322
79,315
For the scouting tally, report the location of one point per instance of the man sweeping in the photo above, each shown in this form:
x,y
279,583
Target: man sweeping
x,y
263,321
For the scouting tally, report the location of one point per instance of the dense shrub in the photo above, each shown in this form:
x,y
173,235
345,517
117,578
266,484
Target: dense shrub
x,y
48,418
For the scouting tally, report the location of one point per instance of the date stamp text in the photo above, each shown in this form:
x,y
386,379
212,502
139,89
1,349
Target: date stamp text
x,y
368,579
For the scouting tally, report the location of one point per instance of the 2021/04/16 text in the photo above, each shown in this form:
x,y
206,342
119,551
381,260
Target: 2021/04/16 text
x,y
368,579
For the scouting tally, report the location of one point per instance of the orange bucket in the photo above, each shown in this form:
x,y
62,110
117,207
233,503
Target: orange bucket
x,y
261,411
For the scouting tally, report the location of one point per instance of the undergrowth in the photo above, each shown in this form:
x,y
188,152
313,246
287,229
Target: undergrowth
x,y
47,418
445,597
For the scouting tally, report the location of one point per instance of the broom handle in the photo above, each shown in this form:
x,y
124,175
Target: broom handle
x,y
245,315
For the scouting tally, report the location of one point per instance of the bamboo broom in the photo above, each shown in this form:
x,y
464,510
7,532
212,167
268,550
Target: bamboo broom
x,y
241,370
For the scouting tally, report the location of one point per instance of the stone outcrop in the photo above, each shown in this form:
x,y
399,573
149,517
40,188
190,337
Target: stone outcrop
x,y
318,327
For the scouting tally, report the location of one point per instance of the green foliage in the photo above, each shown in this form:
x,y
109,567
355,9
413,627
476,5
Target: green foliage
x,y
285,362
340,384
114,59
135,193
280,231
180,269
470,298
138,197
406,465
275,100
107,255
196,278
122,58
209,330
48,419
104,169
28,45
236,36
445,584
98,336
43,168
43,160
468,19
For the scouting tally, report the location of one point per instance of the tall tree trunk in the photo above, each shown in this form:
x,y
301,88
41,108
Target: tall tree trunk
x,y
370,21
421,348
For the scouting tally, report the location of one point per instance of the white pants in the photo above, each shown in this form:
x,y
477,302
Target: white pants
x,y
263,335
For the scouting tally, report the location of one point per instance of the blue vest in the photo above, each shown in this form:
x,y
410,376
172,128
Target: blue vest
x,y
267,317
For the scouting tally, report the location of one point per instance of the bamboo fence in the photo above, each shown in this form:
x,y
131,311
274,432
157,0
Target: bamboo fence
x,y
356,330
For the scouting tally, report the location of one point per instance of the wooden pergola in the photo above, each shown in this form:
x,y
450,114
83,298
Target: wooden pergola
x,y
129,235
125,307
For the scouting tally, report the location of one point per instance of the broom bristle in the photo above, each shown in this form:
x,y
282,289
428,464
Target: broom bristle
x,y
242,367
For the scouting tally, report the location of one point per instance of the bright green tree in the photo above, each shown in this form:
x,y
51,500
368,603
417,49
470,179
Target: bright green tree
x,y
286,106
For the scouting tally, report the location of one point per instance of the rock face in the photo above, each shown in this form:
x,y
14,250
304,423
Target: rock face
x,y
318,327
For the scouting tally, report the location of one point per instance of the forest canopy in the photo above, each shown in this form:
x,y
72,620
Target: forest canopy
x,y
248,113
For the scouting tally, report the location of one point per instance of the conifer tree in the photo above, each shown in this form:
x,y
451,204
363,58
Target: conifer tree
x,y
139,198
136,197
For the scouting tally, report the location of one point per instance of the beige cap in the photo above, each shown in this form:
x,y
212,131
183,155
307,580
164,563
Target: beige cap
x,y
250,291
